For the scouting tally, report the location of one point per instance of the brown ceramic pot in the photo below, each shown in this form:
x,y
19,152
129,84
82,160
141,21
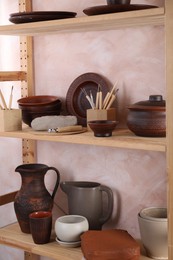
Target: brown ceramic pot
x,y
148,118
33,195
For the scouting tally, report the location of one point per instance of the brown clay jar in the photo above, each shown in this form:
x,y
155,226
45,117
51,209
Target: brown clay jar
x,y
148,118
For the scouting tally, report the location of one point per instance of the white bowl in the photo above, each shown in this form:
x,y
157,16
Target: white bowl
x,y
69,228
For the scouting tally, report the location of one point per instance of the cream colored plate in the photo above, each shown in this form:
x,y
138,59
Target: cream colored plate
x,y
68,244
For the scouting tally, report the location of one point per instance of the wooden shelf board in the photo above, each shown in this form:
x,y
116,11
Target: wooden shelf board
x,y
153,16
120,139
11,235
12,75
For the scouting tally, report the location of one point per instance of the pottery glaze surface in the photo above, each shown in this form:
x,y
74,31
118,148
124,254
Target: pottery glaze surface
x,y
86,198
41,226
69,228
148,118
33,195
153,228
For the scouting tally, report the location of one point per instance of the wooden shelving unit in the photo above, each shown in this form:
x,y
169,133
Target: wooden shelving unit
x,y
16,238
11,235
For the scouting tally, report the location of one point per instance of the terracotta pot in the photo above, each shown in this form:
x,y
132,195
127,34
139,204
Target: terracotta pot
x,y
33,195
148,118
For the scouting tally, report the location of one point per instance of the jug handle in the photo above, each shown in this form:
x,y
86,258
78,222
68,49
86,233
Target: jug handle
x,y
110,203
57,180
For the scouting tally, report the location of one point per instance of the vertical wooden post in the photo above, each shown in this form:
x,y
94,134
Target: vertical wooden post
x,y
169,109
27,87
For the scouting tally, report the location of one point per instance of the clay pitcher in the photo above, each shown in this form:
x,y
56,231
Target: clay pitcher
x,y
33,195
86,199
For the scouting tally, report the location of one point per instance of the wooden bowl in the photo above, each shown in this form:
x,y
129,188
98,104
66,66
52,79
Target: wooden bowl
x,y
102,128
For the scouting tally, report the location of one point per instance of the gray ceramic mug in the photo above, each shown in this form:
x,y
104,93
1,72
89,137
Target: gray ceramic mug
x,y
118,2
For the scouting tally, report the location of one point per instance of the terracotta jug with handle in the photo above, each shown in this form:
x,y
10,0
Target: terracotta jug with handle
x,y
33,195
86,199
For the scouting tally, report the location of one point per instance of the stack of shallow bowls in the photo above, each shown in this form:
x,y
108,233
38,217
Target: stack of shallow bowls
x,y
37,106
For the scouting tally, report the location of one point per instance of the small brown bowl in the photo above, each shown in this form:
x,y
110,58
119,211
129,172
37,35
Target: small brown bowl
x,y
102,128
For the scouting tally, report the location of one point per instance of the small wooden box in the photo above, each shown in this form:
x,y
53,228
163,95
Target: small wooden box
x,y
101,114
10,120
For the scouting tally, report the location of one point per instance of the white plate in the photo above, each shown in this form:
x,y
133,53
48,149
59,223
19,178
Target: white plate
x,y
68,244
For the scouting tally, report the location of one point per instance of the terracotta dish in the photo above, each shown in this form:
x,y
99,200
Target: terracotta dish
x,y
102,128
76,101
106,9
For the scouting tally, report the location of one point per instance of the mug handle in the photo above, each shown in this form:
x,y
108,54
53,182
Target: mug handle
x,y
110,204
57,180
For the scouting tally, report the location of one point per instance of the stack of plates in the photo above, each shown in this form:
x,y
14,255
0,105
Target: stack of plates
x,y
28,17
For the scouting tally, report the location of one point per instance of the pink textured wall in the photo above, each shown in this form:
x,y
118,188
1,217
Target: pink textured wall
x,y
134,57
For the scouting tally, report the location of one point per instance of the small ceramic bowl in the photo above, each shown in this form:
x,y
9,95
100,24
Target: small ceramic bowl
x,y
69,228
102,128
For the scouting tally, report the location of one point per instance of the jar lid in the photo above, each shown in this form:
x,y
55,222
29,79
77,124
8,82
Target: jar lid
x,y
155,102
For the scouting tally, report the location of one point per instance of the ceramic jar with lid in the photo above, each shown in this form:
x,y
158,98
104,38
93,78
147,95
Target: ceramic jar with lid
x,y
148,118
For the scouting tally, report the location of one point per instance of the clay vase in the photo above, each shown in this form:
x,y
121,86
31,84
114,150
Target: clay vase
x,y
86,199
33,195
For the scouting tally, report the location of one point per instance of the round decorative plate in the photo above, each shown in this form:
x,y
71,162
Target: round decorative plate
x,y
76,101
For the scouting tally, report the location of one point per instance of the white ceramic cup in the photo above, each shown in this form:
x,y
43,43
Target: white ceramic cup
x,y
69,228
153,230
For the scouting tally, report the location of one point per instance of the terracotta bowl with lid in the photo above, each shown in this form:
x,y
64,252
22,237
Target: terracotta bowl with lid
x,y
148,118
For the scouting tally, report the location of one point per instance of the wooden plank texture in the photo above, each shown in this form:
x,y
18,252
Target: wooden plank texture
x,y
12,236
13,76
7,198
120,139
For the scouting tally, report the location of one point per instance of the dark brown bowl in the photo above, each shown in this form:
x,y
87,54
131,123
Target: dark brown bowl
x,y
102,128
37,106
38,100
